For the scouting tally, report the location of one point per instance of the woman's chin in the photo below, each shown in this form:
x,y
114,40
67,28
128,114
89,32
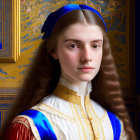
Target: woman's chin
x,y
85,79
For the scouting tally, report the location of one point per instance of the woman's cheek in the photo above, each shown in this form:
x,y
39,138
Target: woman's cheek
x,y
71,57
99,57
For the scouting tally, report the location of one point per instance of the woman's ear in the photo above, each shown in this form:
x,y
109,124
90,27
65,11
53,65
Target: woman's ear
x,y
54,54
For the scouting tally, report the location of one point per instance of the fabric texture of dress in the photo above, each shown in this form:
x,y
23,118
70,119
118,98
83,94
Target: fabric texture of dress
x,y
64,110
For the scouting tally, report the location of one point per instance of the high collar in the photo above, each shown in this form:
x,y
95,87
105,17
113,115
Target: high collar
x,y
78,89
70,93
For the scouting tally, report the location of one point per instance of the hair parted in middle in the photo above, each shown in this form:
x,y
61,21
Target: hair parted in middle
x,y
43,75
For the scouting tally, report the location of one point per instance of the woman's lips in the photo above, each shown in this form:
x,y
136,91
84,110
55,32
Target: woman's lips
x,y
86,69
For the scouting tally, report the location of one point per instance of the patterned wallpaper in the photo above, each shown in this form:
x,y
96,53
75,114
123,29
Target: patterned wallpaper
x,y
34,13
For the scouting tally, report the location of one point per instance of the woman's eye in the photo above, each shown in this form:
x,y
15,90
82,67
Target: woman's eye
x,y
95,45
73,45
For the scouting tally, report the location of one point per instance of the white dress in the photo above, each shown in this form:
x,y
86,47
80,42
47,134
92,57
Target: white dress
x,y
70,121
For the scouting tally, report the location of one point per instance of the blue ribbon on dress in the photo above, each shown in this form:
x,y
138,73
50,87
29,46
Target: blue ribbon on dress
x,y
116,125
42,124
46,131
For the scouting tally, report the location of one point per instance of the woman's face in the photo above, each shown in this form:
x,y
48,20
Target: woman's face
x,y
79,52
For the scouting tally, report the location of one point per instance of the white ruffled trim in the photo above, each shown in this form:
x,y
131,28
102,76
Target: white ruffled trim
x,y
75,88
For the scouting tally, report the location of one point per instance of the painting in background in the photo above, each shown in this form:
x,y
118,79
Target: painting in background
x,y
9,30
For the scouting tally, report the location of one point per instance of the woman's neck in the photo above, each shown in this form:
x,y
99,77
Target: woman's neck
x,y
82,88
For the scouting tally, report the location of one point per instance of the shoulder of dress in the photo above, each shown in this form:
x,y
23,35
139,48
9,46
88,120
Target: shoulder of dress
x,y
19,129
53,105
22,120
101,111
51,101
48,100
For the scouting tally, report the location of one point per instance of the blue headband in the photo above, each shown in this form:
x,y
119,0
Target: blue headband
x,y
56,15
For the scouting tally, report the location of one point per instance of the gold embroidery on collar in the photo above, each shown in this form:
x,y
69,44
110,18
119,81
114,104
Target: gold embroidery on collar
x,y
68,94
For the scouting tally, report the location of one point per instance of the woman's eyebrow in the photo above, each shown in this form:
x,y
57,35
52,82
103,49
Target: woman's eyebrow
x,y
72,40
96,40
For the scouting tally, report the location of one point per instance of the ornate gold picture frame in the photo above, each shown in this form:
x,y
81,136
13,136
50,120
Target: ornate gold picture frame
x,y
9,30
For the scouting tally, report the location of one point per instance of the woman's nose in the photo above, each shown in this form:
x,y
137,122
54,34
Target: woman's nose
x,y
86,55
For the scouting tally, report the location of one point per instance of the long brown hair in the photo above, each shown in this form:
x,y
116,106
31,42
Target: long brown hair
x,y
44,73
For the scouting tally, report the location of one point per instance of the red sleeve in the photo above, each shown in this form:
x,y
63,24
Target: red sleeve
x,y
18,131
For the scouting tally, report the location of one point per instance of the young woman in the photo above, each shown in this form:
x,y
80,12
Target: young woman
x,y
71,91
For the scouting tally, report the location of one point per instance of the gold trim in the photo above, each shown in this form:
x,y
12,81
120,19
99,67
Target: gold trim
x,y
19,119
14,32
75,121
8,94
32,126
89,131
91,106
80,121
67,94
98,131
7,101
48,109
